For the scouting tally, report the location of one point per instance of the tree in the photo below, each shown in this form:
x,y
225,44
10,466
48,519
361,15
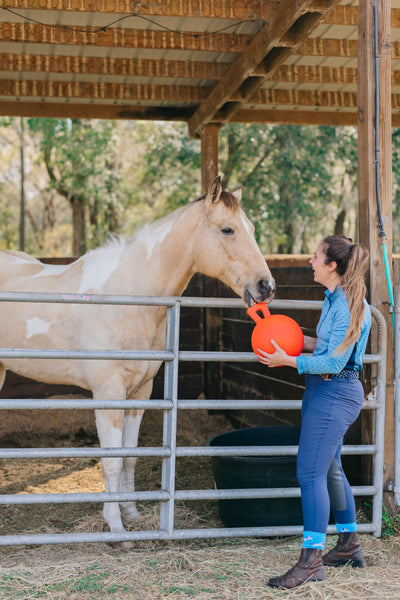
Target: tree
x,y
299,183
79,159
291,177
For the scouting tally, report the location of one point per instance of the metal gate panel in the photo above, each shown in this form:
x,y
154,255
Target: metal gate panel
x,y
170,405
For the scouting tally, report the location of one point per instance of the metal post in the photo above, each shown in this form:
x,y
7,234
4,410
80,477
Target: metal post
x,y
396,310
170,420
170,405
379,424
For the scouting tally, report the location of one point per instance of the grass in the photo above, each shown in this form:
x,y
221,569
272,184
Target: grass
x,y
390,523
234,569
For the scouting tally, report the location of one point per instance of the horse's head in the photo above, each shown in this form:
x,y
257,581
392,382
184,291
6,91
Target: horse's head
x,y
224,246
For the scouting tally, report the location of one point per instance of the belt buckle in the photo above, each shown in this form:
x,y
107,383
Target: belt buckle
x,y
326,377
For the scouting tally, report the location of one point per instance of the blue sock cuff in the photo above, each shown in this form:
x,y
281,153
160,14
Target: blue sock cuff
x,y
346,527
314,539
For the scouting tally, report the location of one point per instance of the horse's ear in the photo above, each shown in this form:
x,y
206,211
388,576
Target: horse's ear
x,y
238,194
215,190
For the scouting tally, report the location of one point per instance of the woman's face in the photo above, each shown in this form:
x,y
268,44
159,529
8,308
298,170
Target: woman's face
x,y
321,270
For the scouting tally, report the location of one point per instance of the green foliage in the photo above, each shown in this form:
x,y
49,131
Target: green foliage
x,y
299,182
172,167
289,174
390,523
396,189
79,156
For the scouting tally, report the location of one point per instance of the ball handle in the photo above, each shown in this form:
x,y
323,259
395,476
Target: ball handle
x,y
254,311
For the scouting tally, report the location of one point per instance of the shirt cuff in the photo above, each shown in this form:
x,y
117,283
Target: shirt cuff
x,y
300,364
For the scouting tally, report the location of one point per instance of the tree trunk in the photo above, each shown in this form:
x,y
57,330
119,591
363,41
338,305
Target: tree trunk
x,y
286,245
339,224
78,224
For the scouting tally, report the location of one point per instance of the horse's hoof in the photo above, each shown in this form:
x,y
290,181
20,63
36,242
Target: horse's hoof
x,y
130,514
121,545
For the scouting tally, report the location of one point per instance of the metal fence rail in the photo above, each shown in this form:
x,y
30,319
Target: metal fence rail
x,y
170,405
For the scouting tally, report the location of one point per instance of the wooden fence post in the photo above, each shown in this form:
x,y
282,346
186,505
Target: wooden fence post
x,y
368,219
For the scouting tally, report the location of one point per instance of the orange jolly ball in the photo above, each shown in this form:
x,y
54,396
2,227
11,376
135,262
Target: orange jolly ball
x,y
284,330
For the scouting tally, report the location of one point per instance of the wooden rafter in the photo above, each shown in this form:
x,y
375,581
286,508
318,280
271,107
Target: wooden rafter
x,y
75,90
107,66
25,33
76,110
179,96
20,33
182,69
292,18
224,9
79,90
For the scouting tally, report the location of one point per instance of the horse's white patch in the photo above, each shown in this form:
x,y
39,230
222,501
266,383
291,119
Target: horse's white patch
x,y
155,234
36,326
98,266
50,270
247,226
21,260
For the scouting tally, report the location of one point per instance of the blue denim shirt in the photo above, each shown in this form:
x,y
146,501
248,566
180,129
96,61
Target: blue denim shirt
x,y
331,331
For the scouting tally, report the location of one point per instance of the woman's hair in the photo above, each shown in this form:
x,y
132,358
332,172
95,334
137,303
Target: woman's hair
x,y
352,265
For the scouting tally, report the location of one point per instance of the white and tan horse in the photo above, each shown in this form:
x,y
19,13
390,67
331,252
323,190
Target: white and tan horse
x,y
211,235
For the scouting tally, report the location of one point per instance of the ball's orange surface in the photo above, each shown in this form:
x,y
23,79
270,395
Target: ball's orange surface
x,y
284,330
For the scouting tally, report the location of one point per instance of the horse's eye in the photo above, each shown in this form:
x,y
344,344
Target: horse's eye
x,y
228,231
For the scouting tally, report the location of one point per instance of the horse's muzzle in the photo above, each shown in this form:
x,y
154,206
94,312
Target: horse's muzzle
x,y
265,292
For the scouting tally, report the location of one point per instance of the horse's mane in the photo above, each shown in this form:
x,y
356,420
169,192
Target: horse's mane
x,y
227,198
115,241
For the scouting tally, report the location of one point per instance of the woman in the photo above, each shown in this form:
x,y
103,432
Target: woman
x,y
331,403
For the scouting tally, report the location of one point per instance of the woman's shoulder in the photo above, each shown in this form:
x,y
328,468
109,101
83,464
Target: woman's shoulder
x,y
338,298
367,312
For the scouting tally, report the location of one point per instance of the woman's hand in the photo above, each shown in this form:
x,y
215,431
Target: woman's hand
x,y
278,358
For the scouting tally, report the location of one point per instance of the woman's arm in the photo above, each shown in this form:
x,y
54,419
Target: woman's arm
x,y
309,343
278,359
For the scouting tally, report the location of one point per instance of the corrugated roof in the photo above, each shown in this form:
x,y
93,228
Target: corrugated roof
x,y
199,61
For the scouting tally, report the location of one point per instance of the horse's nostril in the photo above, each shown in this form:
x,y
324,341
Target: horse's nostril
x,y
265,287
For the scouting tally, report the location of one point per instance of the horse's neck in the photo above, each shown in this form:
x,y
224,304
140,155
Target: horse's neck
x,y
162,254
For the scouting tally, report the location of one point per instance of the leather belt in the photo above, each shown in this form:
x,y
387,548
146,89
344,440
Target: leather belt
x,y
344,374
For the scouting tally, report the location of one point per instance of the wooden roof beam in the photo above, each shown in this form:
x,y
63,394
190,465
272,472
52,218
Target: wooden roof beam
x,y
106,66
75,91
292,17
155,40
182,69
94,91
60,110
225,9
25,33
63,110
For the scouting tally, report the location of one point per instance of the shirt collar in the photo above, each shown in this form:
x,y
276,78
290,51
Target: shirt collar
x,y
338,291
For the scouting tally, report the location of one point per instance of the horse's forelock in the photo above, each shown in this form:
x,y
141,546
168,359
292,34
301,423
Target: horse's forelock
x,y
230,201
227,198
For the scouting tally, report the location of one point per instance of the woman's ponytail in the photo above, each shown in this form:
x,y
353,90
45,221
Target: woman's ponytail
x,y
352,265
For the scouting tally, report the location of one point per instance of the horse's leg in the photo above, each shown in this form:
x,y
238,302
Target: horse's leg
x,y
110,431
133,419
2,374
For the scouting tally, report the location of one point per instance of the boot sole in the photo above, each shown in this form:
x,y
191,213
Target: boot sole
x,y
353,562
283,587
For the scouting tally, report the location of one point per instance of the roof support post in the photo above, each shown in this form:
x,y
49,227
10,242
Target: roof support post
x,y
367,155
209,155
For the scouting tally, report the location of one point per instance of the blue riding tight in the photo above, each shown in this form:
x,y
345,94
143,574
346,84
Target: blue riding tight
x,y
328,410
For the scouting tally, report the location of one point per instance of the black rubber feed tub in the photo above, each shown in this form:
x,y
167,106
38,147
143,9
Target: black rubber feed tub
x,y
234,472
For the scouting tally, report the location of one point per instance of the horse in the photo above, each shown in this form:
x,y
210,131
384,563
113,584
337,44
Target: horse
x,y
211,235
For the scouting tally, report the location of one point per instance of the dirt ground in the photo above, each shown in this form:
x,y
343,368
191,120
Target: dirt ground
x,y
234,569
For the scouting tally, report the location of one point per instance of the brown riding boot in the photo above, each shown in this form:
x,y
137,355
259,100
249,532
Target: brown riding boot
x,y
347,551
308,568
